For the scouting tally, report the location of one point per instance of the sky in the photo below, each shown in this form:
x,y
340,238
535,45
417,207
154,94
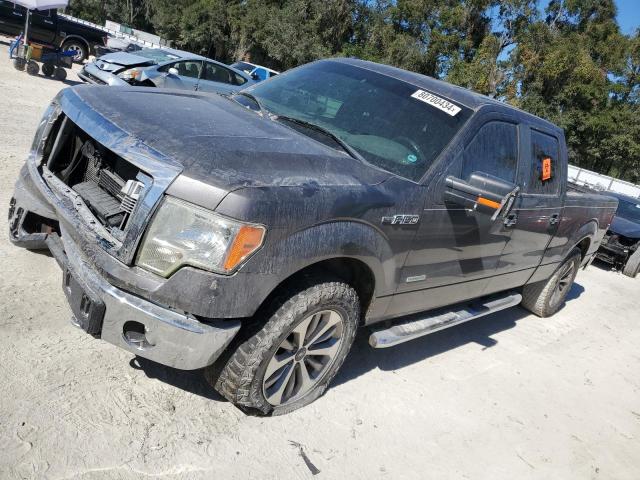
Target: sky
x,y
628,15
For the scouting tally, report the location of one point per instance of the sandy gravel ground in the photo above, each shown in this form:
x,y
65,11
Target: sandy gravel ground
x,y
509,396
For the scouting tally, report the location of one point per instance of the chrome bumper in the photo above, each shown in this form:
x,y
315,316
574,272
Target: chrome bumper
x,y
169,337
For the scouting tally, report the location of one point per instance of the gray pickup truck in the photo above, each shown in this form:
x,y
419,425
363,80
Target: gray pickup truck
x,y
251,235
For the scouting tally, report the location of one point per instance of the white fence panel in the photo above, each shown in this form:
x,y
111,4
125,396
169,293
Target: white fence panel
x,y
585,177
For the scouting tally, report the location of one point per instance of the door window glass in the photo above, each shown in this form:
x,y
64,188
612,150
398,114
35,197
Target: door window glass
x,y
217,73
493,150
544,171
189,68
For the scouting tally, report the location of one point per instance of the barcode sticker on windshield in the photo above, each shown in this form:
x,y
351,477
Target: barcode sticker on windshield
x,y
435,101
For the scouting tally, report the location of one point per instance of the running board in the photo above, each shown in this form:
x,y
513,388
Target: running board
x,y
418,325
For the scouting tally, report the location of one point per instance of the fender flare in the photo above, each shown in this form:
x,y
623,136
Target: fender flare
x,y
588,231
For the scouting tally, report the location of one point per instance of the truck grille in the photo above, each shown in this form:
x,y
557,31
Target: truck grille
x,y
106,182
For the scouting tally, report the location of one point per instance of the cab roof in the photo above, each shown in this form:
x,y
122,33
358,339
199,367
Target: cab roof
x,y
452,92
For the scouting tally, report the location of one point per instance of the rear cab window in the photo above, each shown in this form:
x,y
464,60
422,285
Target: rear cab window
x,y
545,176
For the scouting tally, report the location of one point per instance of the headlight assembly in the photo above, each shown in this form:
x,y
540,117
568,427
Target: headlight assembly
x,y
133,74
184,234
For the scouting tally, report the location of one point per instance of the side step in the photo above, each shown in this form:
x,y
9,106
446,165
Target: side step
x,y
419,325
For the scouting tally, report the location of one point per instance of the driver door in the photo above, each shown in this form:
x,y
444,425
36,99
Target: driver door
x,y
186,79
458,245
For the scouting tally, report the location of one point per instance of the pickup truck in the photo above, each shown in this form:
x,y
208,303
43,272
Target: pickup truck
x,y
252,234
50,28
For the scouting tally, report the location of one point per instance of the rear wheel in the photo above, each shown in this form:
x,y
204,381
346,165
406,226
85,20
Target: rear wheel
x,y
545,298
632,267
289,362
78,47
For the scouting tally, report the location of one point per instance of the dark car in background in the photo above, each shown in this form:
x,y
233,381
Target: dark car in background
x,y
621,244
50,28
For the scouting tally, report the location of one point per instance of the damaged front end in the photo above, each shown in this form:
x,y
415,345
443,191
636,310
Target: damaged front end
x,y
87,193
616,249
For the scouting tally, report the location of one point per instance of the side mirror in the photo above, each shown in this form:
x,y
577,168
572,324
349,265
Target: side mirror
x,y
173,72
483,193
255,76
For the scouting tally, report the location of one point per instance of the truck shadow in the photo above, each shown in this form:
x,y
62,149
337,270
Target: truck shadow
x,y
191,381
362,357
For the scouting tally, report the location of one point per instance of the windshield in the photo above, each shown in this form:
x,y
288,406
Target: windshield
x,y
392,124
628,210
157,54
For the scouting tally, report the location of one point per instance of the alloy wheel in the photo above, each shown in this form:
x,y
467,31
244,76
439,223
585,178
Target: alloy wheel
x,y
565,279
303,357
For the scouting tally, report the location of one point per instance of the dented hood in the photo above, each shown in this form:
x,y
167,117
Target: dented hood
x,y
216,141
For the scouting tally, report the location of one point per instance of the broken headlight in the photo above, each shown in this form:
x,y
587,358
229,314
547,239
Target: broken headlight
x,y
184,234
131,75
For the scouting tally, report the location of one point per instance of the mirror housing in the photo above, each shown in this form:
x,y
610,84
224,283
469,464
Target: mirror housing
x,y
482,192
173,71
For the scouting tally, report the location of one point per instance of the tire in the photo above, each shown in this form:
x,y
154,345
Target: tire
x,y
79,47
48,69
632,267
546,297
33,68
60,74
265,371
19,64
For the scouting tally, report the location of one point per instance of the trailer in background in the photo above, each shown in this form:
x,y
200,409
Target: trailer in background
x,y
597,181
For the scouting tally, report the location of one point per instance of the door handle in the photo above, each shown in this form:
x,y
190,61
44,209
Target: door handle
x,y
554,219
510,220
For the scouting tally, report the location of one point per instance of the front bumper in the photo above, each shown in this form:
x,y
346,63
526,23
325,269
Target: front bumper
x,y
161,334
90,73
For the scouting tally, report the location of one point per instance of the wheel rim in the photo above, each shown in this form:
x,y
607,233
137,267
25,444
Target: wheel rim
x,y
563,284
74,47
303,358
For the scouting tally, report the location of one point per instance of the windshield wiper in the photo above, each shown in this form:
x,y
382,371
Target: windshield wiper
x,y
251,96
328,133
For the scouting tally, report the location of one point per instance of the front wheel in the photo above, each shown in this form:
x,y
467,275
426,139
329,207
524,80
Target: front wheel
x,y
546,297
290,361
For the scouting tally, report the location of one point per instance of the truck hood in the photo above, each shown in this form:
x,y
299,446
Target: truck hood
x,y
622,226
218,142
112,62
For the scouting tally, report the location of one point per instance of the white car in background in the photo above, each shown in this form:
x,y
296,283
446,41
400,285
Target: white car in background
x,y
165,68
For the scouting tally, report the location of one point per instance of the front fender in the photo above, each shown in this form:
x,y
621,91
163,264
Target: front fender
x,y
352,239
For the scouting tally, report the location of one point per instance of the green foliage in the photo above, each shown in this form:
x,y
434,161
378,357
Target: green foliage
x,y
569,63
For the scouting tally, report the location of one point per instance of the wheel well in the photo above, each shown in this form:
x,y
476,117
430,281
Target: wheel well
x,y
354,272
70,38
584,245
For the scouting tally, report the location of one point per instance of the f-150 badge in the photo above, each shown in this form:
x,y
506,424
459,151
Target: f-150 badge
x,y
401,219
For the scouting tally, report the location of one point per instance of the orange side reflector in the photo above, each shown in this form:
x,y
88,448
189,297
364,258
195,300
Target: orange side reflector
x,y
546,169
487,203
247,241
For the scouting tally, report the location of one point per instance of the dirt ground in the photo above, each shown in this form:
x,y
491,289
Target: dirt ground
x,y
507,396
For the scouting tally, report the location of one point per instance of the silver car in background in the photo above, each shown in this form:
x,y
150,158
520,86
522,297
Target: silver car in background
x,y
165,68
